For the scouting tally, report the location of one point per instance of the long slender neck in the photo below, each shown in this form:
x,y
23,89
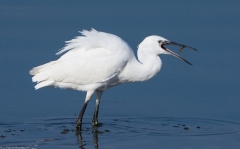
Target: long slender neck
x,y
149,65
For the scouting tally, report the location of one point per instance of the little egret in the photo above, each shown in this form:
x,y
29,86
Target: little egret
x,y
97,61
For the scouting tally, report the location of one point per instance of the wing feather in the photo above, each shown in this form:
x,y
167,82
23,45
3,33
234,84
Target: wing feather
x,y
88,68
92,58
94,38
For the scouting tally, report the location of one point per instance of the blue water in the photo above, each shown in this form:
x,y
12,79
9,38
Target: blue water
x,y
135,115
123,131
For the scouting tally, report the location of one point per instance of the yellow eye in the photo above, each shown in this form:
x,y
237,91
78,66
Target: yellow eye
x,y
159,41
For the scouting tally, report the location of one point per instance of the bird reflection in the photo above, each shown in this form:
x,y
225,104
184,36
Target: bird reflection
x,y
95,139
80,139
95,133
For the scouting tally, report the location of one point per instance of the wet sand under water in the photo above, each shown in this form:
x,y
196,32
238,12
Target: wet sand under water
x,y
135,132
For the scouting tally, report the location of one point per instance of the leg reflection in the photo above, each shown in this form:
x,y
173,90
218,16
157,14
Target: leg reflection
x,y
95,140
95,133
80,139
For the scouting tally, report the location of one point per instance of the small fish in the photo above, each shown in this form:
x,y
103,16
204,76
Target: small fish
x,y
181,49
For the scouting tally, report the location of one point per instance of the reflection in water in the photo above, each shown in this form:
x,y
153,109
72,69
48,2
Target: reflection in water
x,y
95,132
80,139
95,137
52,132
126,128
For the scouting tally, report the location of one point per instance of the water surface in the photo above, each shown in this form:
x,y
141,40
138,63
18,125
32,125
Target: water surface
x,y
134,132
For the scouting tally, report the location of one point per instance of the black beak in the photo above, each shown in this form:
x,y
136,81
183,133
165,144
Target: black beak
x,y
176,44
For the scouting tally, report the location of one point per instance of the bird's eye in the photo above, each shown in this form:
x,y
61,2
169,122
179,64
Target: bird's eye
x,y
159,41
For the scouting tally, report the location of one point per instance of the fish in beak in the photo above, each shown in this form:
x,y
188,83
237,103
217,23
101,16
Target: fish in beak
x,y
180,50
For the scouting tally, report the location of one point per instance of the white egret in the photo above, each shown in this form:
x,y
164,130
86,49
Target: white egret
x,y
97,61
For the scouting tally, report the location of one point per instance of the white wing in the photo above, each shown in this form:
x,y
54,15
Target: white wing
x,y
92,58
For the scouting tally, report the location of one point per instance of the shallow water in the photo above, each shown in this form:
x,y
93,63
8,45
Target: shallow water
x,y
135,132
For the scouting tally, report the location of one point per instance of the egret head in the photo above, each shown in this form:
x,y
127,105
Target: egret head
x,y
158,43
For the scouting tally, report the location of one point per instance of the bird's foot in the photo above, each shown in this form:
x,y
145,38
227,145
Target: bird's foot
x,y
95,123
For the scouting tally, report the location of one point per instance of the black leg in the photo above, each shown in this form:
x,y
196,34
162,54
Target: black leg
x,y
80,116
95,116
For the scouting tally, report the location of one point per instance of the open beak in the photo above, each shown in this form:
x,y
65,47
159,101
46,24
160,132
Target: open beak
x,y
174,54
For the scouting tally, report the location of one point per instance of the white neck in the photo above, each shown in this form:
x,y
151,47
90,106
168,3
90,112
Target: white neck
x,y
149,65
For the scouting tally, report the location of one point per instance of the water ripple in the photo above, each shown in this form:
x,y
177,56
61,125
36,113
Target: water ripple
x,y
61,131
166,126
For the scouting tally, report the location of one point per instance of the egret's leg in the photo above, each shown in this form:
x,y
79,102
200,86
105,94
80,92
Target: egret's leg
x,y
79,119
95,116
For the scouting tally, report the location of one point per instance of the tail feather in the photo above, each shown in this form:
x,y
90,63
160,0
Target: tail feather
x,y
44,84
42,68
42,75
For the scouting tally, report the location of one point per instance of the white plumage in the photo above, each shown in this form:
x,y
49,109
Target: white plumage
x,y
96,61
91,60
